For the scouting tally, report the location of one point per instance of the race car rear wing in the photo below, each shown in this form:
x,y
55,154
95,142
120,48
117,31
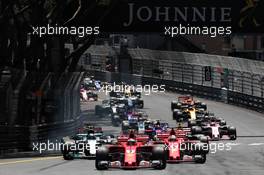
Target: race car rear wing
x,y
179,133
133,135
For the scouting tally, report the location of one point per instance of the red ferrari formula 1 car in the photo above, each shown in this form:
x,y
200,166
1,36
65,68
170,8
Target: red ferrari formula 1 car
x,y
131,152
181,147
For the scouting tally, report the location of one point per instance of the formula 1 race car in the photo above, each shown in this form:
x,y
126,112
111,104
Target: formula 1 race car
x,y
90,84
137,101
110,106
215,130
182,147
92,96
154,127
80,145
183,101
180,115
135,98
136,121
90,129
104,109
188,115
187,101
116,94
119,112
131,123
88,95
131,152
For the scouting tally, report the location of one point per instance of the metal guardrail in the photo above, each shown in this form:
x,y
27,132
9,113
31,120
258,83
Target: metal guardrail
x,y
13,138
244,100
187,87
237,81
243,78
21,138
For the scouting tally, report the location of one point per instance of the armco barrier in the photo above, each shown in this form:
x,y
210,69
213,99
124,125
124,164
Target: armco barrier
x,y
21,138
247,101
14,138
243,100
236,98
242,80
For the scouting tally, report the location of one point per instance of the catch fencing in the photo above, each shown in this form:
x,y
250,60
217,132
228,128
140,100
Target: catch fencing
x,y
233,80
240,80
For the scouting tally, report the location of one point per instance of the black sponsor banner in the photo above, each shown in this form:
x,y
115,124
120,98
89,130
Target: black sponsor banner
x,y
153,15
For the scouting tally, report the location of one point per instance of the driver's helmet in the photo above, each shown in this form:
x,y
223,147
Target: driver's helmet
x,y
172,138
155,138
131,142
213,119
112,102
157,124
213,124
179,125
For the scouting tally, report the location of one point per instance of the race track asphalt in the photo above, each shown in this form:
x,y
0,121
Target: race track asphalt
x,y
246,156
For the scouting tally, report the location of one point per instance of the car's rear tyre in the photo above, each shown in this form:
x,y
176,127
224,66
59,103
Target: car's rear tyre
x,y
98,166
67,156
204,139
209,132
162,166
232,133
141,105
201,160
176,114
116,120
232,137
196,130
204,106
173,105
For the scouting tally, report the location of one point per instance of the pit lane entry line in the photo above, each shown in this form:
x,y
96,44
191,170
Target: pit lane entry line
x,y
30,160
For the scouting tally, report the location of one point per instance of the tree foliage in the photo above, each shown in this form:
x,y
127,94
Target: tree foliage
x,y
19,49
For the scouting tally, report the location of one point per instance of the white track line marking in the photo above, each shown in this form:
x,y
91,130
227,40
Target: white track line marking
x,y
255,144
234,144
